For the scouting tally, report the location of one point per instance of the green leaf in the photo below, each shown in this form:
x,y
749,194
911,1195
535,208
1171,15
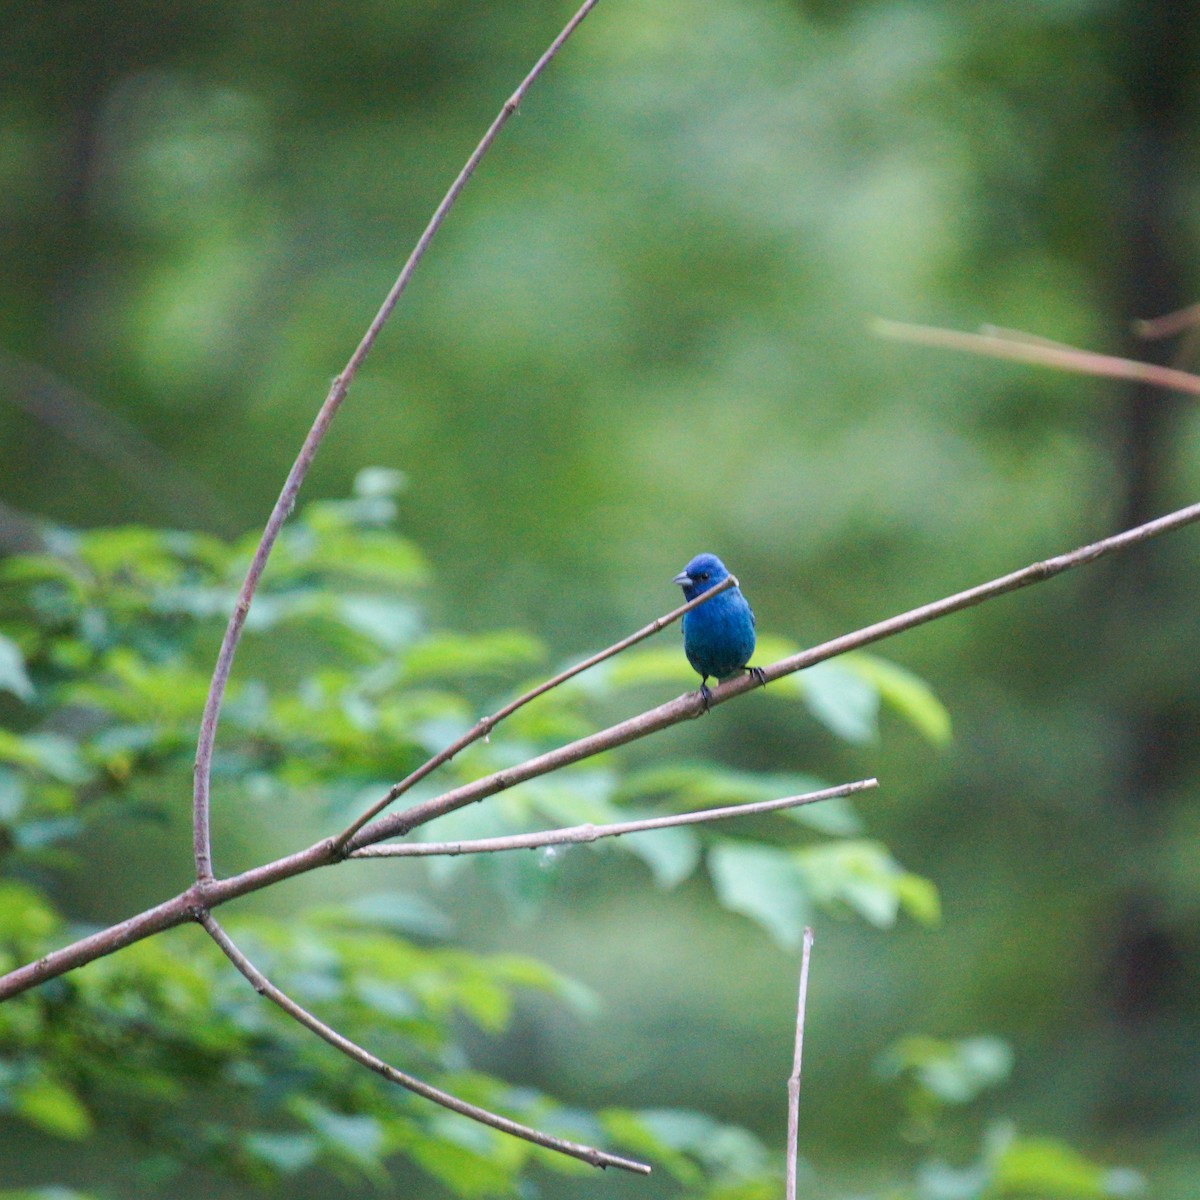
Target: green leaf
x,y
483,1168
636,668
402,912
919,897
379,481
763,884
953,1072
13,677
937,1180
842,700
52,1107
636,1134
12,795
904,693
723,1149
1049,1169
864,876
287,1153
51,753
387,621
671,854
24,916
354,1138
453,655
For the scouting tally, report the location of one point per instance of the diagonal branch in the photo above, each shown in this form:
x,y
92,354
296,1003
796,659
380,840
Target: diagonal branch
x,y
486,724
201,834
208,894
264,987
576,834
1024,347
1170,325
693,705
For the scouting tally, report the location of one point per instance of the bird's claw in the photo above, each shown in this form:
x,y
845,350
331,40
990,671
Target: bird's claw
x,y
705,696
757,672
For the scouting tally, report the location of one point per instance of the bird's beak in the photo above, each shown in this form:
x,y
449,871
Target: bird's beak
x,y
683,579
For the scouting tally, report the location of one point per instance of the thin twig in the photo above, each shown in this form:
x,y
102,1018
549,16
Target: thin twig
x,y
485,725
793,1086
1170,324
1028,348
693,704
103,433
576,834
201,834
262,985
184,907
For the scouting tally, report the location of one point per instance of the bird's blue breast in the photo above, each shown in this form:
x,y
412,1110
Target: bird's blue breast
x,y
718,637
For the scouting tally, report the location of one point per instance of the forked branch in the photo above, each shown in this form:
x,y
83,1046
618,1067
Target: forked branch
x,y
201,833
486,724
692,704
209,894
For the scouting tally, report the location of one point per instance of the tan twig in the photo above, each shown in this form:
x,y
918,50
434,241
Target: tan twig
x,y
201,834
1028,348
576,834
264,987
209,894
793,1086
485,726
1170,324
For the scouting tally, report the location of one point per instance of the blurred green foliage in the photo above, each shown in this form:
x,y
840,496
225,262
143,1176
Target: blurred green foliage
x,y
108,643
641,334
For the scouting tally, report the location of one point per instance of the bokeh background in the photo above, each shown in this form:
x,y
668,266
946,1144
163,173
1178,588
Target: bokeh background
x,y
645,332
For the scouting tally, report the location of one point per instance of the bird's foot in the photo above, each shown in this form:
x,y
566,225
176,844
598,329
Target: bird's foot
x,y
705,696
757,672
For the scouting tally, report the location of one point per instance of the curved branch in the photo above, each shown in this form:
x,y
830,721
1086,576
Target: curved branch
x,y
201,834
264,987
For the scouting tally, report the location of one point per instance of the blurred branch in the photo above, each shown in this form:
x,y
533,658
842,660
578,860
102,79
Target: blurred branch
x,y
591,833
485,726
264,987
1024,347
201,832
206,894
20,533
793,1086
105,435
1169,325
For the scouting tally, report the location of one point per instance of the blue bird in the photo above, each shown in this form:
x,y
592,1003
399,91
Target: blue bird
x,y
718,636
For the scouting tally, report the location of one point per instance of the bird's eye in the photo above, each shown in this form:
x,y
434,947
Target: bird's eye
x,y
703,576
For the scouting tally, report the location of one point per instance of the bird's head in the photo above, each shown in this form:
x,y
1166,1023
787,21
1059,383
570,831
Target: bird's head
x,y
703,572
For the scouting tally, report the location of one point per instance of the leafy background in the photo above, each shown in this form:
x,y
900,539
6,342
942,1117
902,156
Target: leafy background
x,y
643,333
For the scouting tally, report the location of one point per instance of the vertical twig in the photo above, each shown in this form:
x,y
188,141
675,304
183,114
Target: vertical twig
x,y
793,1087
201,834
